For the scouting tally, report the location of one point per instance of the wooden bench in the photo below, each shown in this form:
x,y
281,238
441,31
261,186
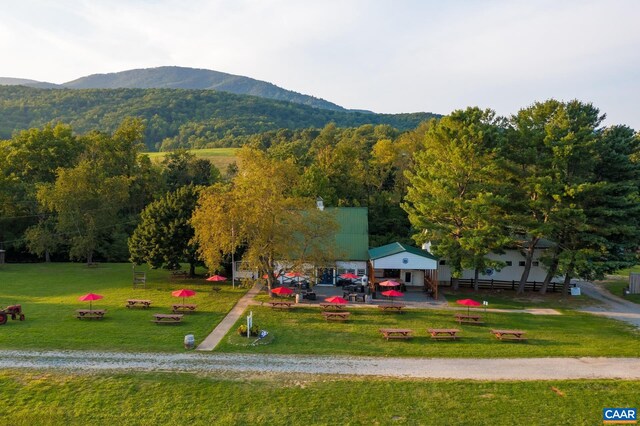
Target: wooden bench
x,y
443,333
469,319
336,315
334,306
396,333
167,318
398,307
90,313
280,304
138,303
514,335
183,308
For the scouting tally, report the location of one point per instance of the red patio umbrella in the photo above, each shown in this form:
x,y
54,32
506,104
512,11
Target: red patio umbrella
x,y
392,293
468,303
90,297
337,300
282,291
183,293
389,283
216,278
349,276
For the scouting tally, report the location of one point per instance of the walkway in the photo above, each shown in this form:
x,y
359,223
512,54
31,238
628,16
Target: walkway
x,y
423,368
218,333
612,306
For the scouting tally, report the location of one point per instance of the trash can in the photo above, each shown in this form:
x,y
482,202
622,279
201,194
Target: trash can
x,y
189,341
298,298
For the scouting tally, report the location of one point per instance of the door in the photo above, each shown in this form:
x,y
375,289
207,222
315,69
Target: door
x,y
407,278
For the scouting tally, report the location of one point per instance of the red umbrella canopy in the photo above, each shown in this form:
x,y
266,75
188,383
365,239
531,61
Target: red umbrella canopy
x,y
468,302
349,276
281,290
392,293
336,299
217,278
183,293
90,297
389,283
294,274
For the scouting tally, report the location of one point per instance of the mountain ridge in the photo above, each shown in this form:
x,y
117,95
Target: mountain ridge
x,y
175,77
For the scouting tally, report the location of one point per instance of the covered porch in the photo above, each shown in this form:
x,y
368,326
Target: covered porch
x,y
415,269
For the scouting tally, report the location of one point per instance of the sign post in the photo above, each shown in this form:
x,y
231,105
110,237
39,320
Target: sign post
x,y
249,323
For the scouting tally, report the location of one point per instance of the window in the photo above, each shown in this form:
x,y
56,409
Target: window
x,y
443,262
392,273
407,277
521,263
535,263
509,263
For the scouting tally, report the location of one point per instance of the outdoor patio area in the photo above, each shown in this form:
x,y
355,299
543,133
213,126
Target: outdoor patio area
x,y
411,297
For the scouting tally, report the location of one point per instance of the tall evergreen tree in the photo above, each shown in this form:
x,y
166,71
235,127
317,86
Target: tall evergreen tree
x,y
453,195
164,236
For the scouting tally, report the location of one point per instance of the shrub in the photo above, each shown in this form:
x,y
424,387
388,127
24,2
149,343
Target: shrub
x,y
242,330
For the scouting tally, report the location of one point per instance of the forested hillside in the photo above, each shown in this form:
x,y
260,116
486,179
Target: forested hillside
x,y
175,118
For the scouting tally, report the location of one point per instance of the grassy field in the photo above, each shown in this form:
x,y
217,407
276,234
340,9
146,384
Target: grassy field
x,y
46,398
303,331
49,295
219,157
510,300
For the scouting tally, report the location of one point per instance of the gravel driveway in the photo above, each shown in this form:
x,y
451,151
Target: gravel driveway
x,y
435,368
611,306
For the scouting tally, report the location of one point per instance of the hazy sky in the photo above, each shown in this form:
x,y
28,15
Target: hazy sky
x,y
385,56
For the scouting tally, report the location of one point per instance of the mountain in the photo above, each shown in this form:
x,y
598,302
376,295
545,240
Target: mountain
x,y
192,78
176,118
8,81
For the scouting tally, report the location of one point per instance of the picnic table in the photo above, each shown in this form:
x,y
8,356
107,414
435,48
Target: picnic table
x,y
90,313
443,333
178,275
183,308
396,333
281,304
398,307
138,303
469,319
336,315
334,306
167,318
509,334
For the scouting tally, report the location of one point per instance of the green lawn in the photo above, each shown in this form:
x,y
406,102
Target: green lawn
x,y
219,157
507,299
46,398
303,331
49,295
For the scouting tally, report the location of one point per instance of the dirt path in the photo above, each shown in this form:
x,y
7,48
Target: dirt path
x,y
611,306
435,368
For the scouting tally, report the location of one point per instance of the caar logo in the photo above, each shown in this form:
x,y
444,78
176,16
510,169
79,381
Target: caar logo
x,y
619,416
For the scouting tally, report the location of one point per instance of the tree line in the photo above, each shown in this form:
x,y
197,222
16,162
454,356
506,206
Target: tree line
x,y
483,183
175,118
471,183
